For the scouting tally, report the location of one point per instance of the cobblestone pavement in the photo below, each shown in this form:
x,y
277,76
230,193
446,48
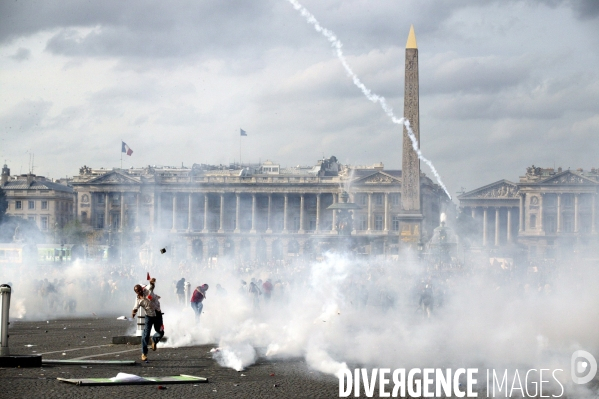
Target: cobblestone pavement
x,y
76,338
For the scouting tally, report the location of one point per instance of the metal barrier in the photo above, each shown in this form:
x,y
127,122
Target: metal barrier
x,y
5,292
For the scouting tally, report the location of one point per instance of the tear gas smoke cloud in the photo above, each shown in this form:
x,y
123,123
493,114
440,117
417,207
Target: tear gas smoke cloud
x,y
375,98
341,312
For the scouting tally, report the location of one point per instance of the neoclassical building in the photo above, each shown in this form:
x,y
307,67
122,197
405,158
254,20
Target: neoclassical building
x,y
48,204
547,211
253,212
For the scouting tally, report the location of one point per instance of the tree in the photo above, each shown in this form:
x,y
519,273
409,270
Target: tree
x,y
19,229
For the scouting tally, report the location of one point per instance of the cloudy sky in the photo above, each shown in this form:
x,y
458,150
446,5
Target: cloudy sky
x,y
503,84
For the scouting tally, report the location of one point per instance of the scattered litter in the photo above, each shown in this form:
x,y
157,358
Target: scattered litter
x,y
161,387
276,385
214,390
163,250
64,328
83,367
64,354
213,350
29,345
121,318
235,385
272,374
46,331
242,375
104,337
125,377
48,322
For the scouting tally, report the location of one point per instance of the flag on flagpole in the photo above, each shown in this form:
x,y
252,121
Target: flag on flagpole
x,y
242,132
126,149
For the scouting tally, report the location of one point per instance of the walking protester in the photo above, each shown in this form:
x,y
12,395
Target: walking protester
x,y
180,290
267,289
220,290
147,300
197,300
255,293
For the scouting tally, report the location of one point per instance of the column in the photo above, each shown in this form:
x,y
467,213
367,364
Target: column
x,y
189,247
106,211
253,230
301,226
509,224
158,204
122,224
497,226
576,213
268,218
92,213
473,210
318,212
334,226
205,227
559,213
285,213
137,211
593,228
237,207
369,213
521,214
386,212
174,227
541,227
189,213
222,214
484,227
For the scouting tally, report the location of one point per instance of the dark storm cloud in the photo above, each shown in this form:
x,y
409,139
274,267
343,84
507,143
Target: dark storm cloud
x,y
583,9
141,28
233,28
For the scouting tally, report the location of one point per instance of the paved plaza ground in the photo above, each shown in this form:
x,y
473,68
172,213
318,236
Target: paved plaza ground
x,y
91,339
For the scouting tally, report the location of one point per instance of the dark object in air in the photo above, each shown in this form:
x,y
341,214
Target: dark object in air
x,y
163,250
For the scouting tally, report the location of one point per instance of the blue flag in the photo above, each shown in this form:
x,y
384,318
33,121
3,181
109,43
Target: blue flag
x,y
243,133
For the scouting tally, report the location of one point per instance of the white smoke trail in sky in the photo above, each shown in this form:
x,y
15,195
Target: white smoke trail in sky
x,y
375,98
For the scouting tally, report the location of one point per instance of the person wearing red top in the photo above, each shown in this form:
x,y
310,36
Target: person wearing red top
x,y
267,289
197,298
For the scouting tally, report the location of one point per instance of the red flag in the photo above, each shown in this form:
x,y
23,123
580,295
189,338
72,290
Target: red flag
x,y
148,276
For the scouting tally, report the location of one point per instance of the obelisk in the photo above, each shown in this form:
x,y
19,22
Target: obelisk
x,y
411,215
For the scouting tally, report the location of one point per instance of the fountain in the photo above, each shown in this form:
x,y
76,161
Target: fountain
x,y
343,241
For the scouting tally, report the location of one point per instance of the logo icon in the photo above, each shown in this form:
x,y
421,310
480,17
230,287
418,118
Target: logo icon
x,y
583,367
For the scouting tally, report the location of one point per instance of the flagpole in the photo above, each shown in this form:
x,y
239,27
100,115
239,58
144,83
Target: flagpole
x,y
121,154
240,148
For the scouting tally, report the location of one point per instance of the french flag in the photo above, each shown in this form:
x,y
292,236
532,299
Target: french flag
x,y
126,149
